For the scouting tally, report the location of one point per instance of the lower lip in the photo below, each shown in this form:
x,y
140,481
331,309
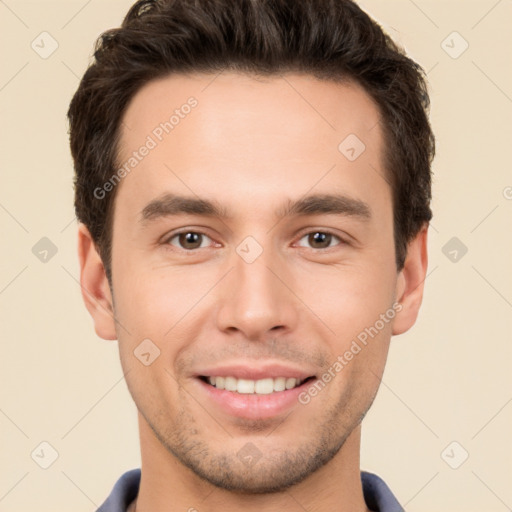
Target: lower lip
x,y
255,406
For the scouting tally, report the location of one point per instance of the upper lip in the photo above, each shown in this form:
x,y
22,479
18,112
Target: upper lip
x,y
253,371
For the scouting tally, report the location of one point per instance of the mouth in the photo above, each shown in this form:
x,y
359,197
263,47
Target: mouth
x,y
264,398
265,386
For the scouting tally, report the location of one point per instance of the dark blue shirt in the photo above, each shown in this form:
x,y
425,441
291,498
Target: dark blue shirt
x,y
377,494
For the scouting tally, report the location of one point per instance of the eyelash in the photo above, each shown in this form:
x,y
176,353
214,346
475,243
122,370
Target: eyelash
x,y
167,241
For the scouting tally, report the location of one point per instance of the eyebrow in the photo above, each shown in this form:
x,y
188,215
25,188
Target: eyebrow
x,y
317,204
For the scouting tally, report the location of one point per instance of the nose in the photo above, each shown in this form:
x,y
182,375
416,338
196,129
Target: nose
x,y
257,299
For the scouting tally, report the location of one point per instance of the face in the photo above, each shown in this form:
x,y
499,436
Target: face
x,y
253,245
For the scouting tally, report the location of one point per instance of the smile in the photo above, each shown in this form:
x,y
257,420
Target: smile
x,y
265,386
257,399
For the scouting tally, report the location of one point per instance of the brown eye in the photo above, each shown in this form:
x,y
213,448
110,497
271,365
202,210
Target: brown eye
x,y
320,239
188,240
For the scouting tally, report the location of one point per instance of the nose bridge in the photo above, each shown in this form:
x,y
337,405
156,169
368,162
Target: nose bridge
x,y
255,299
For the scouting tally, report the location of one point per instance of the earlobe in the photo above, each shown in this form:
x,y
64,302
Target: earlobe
x,y
95,287
410,282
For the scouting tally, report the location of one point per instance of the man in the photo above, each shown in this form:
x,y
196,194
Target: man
x,y
253,186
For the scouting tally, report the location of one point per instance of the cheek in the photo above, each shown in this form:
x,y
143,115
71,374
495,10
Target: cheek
x,y
350,299
357,306
153,300
159,309
151,310
153,388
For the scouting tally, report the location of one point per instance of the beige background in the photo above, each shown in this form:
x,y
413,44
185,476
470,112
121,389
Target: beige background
x,y
447,380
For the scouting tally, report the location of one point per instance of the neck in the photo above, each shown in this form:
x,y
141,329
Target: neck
x,y
167,485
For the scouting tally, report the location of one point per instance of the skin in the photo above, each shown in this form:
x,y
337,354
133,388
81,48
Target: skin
x,y
252,144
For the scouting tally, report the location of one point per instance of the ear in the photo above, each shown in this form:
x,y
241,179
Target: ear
x,y
95,287
409,287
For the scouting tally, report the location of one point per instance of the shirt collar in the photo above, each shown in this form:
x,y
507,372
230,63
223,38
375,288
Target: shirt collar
x,y
377,494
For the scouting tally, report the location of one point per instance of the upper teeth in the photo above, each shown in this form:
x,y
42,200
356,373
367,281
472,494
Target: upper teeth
x,y
262,386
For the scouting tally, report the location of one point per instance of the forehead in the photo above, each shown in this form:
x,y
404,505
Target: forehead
x,y
237,133
286,105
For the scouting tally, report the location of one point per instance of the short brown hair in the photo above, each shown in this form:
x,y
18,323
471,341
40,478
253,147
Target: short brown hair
x,y
328,39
